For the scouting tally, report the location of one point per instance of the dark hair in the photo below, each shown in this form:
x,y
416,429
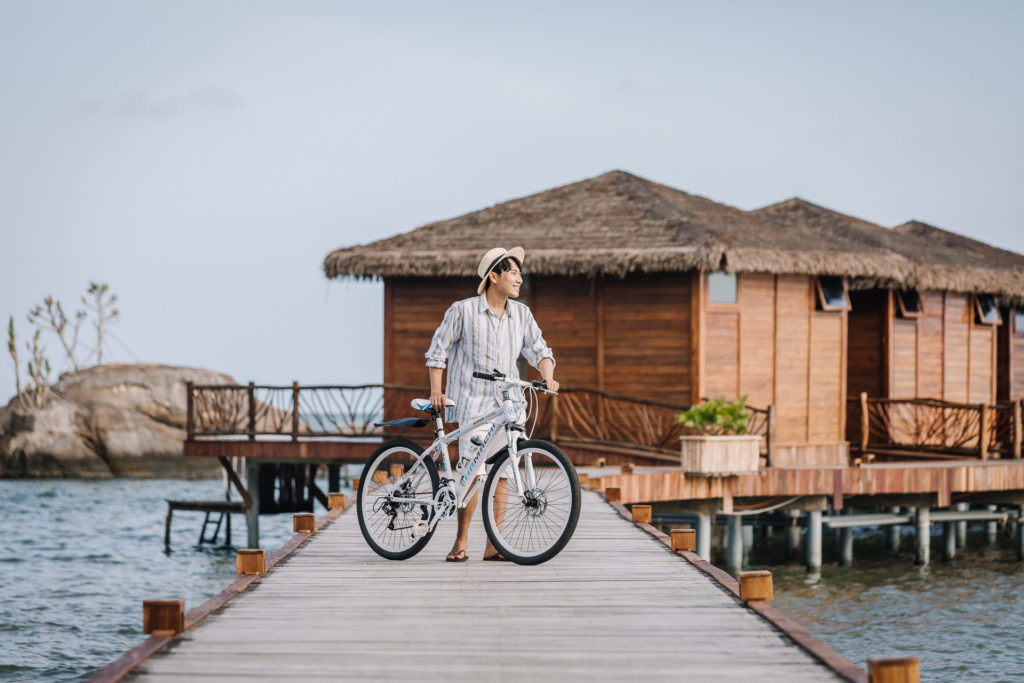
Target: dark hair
x,y
503,266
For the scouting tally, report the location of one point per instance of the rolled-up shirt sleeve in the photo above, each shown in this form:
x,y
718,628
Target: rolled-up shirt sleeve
x,y
445,335
535,348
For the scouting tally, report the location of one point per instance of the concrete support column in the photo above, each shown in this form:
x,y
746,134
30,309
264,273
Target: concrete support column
x,y
991,529
1020,534
949,536
924,536
792,534
252,515
734,545
846,547
704,536
814,541
893,533
748,541
961,527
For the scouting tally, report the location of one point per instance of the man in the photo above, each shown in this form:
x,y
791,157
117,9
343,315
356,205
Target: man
x,y
484,333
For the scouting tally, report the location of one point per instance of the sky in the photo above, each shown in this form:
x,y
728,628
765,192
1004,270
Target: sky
x,y
202,157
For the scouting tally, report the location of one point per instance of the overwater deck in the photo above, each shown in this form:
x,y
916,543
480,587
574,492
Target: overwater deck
x,y
616,604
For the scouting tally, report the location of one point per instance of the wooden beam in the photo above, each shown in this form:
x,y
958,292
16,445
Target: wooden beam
x,y
235,481
698,313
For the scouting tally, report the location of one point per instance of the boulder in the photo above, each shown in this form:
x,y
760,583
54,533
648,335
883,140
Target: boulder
x,y
110,420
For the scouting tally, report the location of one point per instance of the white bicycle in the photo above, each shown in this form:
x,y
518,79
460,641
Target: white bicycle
x,y
531,498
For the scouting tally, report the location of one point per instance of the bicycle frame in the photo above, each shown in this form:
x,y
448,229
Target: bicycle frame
x,y
466,487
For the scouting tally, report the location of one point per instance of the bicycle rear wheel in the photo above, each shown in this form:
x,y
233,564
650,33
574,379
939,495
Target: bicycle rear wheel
x,y
535,528
392,471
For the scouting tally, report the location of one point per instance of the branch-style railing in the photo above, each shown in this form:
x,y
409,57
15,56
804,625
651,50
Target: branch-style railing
x,y
932,425
576,414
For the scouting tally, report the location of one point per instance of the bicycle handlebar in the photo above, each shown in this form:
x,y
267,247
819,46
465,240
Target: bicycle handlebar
x,y
497,376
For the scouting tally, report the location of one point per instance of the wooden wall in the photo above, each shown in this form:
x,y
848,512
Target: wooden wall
x,y
1010,376
629,336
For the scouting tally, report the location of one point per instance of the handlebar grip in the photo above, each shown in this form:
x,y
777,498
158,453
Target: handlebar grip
x,y
483,375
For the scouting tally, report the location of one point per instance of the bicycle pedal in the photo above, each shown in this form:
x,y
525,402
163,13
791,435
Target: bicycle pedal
x,y
419,529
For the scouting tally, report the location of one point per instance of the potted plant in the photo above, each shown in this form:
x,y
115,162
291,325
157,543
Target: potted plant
x,y
721,445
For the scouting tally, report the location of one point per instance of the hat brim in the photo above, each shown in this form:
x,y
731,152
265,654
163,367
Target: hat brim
x,y
515,252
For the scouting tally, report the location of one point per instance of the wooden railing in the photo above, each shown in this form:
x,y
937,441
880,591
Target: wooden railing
x,y
578,414
931,425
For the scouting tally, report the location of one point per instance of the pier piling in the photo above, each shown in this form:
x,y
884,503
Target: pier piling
x,y
252,513
949,536
814,541
961,527
991,529
734,545
704,536
924,536
793,534
1020,533
893,538
846,546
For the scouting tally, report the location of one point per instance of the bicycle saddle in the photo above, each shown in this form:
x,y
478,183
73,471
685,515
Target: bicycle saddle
x,y
424,403
418,404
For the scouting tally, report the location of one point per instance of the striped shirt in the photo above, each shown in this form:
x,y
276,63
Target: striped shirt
x,y
473,339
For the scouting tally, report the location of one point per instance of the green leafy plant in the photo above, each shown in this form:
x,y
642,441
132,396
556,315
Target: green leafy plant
x,y
717,417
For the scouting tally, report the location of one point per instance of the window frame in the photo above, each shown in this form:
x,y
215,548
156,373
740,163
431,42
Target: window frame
x,y
1017,331
979,318
825,306
722,305
902,308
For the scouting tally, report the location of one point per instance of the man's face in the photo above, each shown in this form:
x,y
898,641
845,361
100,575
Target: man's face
x,y
507,283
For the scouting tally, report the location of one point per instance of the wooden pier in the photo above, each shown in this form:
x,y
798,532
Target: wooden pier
x,y
616,604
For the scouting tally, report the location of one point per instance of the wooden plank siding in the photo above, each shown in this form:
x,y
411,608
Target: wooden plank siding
x,y
956,346
792,305
756,294
866,352
723,352
826,395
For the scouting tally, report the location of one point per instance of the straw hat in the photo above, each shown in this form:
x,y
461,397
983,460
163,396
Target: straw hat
x,y
492,258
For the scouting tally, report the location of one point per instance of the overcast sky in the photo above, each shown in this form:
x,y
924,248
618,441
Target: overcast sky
x,y
203,157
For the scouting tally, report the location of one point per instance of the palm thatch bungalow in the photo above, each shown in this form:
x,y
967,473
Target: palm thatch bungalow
x,y
648,291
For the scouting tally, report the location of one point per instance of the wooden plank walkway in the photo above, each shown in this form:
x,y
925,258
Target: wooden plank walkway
x,y
616,604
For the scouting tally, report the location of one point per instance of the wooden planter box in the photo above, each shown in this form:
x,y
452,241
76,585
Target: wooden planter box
x,y
720,455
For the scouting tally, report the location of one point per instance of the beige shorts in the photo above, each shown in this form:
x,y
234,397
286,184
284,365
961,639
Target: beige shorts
x,y
468,450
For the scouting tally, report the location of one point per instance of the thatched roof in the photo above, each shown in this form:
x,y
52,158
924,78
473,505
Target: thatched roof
x,y
618,223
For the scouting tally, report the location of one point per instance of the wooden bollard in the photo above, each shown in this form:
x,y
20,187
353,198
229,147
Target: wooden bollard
x,y
304,522
397,471
251,562
380,477
642,514
898,669
336,500
684,539
612,494
584,480
756,586
627,468
355,483
163,617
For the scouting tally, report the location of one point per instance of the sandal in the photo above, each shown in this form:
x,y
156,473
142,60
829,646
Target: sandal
x,y
496,557
457,556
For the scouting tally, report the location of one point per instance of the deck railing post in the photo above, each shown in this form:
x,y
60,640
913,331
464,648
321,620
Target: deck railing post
x,y
295,411
1017,406
865,421
983,434
190,425
252,411
768,436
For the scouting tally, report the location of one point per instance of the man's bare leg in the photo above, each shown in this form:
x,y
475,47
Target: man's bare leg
x,y
500,498
464,515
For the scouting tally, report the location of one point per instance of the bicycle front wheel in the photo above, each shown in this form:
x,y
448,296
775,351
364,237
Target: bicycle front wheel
x,y
389,525
534,528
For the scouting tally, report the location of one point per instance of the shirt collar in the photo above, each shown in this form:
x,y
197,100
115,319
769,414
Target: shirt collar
x,y
483,306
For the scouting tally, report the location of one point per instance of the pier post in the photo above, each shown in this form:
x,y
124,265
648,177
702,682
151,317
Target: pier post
x,y
991,529
814,541
949,536
1020,534
734,545
792,534
894,533
924,535
333,478
748,540
704,536
961,527
846,546
252,513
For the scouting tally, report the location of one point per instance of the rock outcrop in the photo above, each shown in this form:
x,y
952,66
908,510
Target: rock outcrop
x,y
106,421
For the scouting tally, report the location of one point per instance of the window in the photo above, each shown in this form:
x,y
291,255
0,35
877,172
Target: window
x,y
721,287
985,310
832,294
909,304
1018,321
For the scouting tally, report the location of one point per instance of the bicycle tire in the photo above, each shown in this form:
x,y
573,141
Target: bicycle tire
x,y
535,530
378,518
